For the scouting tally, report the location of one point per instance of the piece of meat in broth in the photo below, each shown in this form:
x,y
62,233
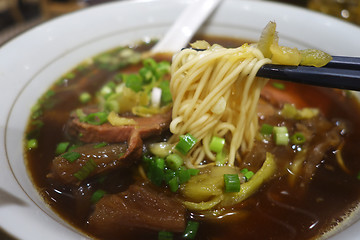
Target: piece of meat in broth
x,y
96,160
140,206
145,126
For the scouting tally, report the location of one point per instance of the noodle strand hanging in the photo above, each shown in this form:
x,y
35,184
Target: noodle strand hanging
x,y
215,93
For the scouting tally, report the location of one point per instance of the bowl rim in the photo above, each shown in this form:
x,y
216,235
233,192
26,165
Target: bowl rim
x,y
15,189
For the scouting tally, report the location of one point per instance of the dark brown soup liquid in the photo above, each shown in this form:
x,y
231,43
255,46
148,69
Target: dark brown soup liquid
x,y
276,211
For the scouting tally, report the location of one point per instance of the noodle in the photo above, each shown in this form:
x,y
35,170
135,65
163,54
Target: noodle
x,y
215,93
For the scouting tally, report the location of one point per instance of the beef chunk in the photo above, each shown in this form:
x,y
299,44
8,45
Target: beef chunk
x,y
141,206
146,127
105,159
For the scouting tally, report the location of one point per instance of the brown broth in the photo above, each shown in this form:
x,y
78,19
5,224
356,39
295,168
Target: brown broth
x,y
276,211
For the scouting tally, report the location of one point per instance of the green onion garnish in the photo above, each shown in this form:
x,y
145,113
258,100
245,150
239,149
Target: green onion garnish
x,y
358,176
277,85
266,129
164,235
281,135
186,143
191,230
134,82
146,74
183,175
217,144
32,143
160,162
97,195
168,175
100,145
71,156
220,158
297,138
85,97
193,171
166,96
155,173
96,118
248,175
232,183
174,161
173,184
150,63
85,171
61,148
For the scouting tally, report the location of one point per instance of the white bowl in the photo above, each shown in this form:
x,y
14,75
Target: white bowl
x,y
30,63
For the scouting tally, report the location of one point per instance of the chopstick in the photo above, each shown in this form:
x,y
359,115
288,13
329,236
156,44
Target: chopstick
x,y
341,72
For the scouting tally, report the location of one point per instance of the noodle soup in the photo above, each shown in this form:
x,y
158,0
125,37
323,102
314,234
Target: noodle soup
x,y
86,178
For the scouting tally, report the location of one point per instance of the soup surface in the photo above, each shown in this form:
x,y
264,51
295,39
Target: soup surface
x,y
296,203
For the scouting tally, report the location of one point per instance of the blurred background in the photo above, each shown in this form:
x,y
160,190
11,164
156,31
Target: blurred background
x,y
17,16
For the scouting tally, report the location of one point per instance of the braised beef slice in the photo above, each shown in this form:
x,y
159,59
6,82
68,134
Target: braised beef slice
x,y
146,127
108,158
141,206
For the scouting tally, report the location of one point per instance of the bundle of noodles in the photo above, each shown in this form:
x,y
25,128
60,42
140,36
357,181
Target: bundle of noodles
x,y
215,93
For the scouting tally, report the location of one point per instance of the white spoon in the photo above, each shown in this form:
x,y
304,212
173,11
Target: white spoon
x,y
185,26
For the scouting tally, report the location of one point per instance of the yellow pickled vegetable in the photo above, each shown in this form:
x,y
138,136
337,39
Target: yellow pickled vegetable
x,y
115,120
313,57
267,38
249,188
200,44
285,55
268,45
202,187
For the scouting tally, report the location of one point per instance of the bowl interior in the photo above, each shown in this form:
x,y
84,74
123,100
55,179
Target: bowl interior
x,y
53,48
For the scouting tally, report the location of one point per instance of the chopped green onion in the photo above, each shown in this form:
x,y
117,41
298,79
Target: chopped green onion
x,y
217,144
61,148
186,143
191,230
155,173
72,147
160,162
193,171
297,138
162,68
183,175
71,156
134,82
173,184
97,195
232,183
281,136
248,175
100,145
266,129
168,175
220,158
244,170
150,63
358,176
85,97
70,75
278,85
164,235
96,118
146,74
32,143
174,161
166,96
105,91
85,171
